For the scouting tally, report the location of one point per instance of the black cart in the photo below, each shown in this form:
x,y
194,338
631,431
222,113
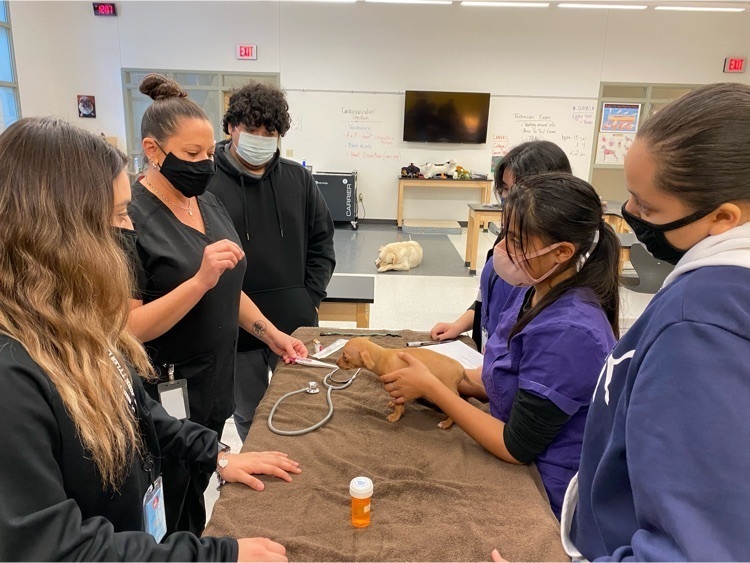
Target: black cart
x,y
339,189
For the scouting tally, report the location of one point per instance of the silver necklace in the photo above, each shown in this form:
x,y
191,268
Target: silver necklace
x,y
165,200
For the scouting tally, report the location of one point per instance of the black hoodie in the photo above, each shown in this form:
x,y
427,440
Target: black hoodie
x,y
287,235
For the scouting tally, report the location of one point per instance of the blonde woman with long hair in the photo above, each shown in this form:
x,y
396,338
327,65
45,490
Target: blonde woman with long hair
x,y
81,441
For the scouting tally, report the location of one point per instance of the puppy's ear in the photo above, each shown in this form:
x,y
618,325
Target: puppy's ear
x,y
366,359
389,258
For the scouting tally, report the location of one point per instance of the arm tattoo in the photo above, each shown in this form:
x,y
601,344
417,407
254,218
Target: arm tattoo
x,y
259,329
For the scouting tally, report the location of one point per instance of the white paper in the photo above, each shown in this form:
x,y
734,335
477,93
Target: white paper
x,y
331,348
462,353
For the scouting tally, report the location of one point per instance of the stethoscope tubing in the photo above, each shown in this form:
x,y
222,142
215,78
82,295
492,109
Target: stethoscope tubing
x,y
329,382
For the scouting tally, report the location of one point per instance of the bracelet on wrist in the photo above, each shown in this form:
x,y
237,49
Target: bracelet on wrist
x,y
222,462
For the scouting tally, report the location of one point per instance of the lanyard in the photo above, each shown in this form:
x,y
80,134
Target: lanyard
x,y
128,388
148,461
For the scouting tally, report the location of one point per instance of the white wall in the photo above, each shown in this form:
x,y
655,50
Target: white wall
x,y
60,53
62,50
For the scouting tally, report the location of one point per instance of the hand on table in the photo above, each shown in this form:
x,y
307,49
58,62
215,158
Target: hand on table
x,y
409,383
260,549
445,331
241,468
497,558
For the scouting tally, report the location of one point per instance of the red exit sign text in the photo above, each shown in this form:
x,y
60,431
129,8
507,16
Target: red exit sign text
x,y
247,52
734,65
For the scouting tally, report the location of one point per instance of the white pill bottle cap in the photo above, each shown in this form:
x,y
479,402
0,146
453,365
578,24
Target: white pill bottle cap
x,y
360,487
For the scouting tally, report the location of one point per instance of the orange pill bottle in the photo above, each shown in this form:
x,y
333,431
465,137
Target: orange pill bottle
x,y
360,490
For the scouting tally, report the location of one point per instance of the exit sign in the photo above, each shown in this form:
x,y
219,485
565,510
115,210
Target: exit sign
x,y
734,65
247,52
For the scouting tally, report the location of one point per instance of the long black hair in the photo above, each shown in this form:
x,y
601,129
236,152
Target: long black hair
x,y
562,208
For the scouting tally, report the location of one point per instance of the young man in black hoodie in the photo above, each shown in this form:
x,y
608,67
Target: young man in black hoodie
x,y
285,228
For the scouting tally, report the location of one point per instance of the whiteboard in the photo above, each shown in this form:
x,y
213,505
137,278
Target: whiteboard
x,y
566,122
355,131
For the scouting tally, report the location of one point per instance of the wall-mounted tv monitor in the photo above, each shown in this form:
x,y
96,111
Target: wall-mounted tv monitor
x,y
446,117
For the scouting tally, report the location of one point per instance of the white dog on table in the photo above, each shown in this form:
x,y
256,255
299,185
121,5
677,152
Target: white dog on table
x,y
400,256
446,169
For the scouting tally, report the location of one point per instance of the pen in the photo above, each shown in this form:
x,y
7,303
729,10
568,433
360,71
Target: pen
x,y
427,343
312,363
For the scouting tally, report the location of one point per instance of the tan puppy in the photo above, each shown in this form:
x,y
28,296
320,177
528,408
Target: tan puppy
x,y
362,352
401,256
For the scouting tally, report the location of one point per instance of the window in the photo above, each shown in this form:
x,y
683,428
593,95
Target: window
x,y
210,90
9,106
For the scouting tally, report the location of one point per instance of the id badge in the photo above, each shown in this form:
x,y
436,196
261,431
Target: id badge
x,y
485,337
154,517
173,396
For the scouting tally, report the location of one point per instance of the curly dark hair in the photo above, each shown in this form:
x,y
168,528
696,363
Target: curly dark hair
x,y
258,104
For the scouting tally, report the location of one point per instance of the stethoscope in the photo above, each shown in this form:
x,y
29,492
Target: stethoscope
x,y
313,388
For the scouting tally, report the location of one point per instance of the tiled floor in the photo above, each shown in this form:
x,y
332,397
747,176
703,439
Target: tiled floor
x,y
422,297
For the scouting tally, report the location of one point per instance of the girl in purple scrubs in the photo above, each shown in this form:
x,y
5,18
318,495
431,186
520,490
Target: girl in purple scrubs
x,y
558,325
522,161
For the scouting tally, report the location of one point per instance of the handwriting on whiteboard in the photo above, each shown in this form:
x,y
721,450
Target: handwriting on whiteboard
x,y
364,141
358,114
534,126
500,145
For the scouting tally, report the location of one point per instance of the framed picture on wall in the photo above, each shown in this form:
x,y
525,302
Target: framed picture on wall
x,y
86,106
620,118
611,148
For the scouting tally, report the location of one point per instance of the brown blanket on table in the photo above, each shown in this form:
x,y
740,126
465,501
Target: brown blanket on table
x,y
438,495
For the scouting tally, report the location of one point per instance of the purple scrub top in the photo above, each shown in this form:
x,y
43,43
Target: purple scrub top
x,y
559,356
495,292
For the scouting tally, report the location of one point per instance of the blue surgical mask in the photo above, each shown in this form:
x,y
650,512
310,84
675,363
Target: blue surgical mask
x,y
256,150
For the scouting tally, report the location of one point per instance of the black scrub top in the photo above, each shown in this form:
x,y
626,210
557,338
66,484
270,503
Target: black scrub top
x,y
202,345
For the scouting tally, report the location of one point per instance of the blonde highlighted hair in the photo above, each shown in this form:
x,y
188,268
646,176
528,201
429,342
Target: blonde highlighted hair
x,y
64,282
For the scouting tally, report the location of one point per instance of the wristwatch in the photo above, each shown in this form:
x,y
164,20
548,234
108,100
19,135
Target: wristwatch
x,y
224,447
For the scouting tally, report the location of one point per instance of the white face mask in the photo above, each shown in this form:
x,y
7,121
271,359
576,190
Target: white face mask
x,y
256,149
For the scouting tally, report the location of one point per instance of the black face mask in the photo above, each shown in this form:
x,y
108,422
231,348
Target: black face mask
x,y
190,178
126,238
653,235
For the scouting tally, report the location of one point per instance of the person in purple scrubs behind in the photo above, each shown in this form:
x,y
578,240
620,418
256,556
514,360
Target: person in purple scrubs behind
x,y
554,333
522,161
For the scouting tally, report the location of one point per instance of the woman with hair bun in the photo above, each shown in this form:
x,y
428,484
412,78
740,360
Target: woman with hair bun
x,y
190,304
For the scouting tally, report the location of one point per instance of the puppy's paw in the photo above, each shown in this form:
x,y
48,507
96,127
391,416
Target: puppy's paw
x,y
445,424
383,269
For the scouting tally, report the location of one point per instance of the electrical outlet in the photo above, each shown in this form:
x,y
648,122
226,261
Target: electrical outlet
x,y
361,198
289,153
